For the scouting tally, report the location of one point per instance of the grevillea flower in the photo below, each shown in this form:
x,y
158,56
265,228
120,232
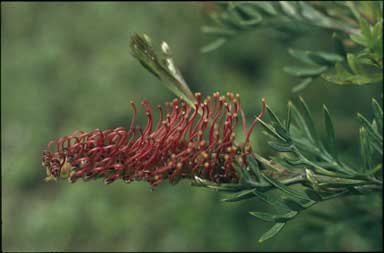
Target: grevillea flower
x,y
185,142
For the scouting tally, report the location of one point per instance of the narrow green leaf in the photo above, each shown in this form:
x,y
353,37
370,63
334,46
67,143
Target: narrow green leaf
x,y
297,205
254,166
377,30
246,194
239,170
272,232
266,7
280,147
272,200
324,58
286,189
370,129
288,123
378,112
274,217
270,130
227,187
273,116
283,133
313,195
365,30
309,121
232,20
330,133
379,149
213,45
216,18
377,168
302,85
345,79
317,18
364,152
294,162
256,18
353,64
358,39
217,31
305,72
301,55
289,8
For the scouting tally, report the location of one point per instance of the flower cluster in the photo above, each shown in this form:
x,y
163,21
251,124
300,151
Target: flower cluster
x,y
185,142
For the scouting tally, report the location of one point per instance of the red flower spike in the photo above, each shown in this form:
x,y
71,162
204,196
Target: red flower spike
x,y
186,142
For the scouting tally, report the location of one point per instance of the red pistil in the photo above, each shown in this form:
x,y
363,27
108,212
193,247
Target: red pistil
x,y
189,142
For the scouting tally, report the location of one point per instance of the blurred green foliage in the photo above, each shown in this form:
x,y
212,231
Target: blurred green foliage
x,y
66,66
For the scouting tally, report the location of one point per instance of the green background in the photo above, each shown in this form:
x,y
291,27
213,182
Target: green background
x,y
67,67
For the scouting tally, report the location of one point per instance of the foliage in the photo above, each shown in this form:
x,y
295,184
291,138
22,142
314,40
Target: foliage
x,y
303,158
355,27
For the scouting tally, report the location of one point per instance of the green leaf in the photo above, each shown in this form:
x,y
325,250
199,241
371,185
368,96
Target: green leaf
x,y
353,79
288,123
378,112
289,8
301,55
313,195
358,39
213,45
294,162
215,31
309,121
228,187
364,150
266,7
239,170
330,133
365,30
254,166
270,130
280,147
325,58
256,18
269,199
286,189
272,232
377,30
305,72
370,129
302,85
298,205
273,116
274,217
246,194
343,77
379,149
283,133
353,64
